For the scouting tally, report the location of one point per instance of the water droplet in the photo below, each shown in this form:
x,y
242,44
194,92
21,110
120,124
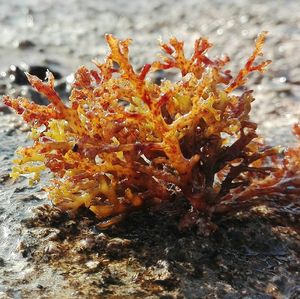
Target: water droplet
x,y
279,80
12,68
70,79
230,23
245,32
282,79
220,31
244,19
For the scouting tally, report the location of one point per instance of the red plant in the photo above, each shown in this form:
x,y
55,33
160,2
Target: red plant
x,y
123,142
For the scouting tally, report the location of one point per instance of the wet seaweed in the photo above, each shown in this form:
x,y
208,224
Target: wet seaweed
x,y
123,142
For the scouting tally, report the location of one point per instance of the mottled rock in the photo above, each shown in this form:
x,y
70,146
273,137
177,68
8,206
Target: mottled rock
x,y
25,44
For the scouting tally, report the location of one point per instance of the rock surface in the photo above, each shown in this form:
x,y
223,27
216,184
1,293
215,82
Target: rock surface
x,y
47,254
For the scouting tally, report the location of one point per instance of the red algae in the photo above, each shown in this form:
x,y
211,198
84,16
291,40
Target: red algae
x,y
123,142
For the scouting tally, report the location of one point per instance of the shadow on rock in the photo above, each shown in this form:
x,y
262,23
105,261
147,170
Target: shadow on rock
x,y
148,255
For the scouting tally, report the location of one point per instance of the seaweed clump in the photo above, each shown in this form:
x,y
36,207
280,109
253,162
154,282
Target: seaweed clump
x,y
123,142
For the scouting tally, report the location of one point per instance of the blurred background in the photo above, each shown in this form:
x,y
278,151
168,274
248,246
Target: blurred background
x,y
61,35
71,32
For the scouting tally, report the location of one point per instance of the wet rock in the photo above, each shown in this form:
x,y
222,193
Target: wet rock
x,y
86,244
25,44
16,74
4,296
47,215
27,197
117,248
28,92
37,97
92,265
63,88
53,248
2,263
50,61
49,234
24,249
18,84
4,109
158,77
161,270
3,178
117,243
3,88
40,71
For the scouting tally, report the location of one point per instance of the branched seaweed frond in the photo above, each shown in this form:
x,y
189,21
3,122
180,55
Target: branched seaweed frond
x,y
122,141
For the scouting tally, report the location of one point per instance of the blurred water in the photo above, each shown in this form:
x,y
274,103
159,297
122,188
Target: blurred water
x,y
72,31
